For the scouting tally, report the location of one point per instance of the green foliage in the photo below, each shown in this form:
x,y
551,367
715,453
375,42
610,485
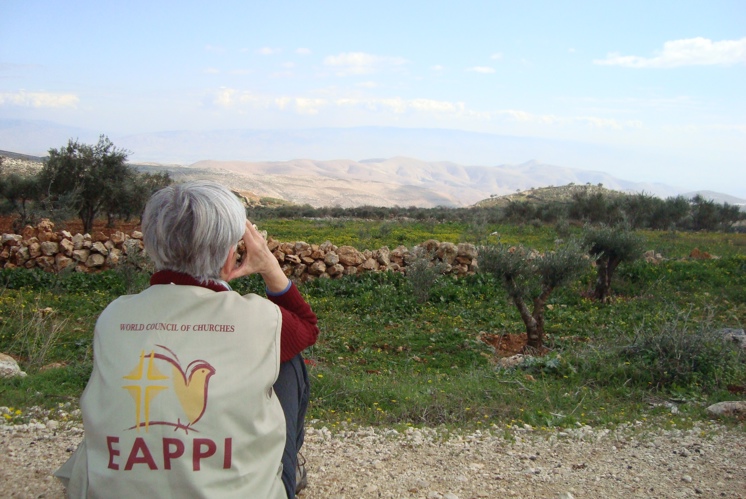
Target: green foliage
x,y
384,358
611,246
91,175
529,276
423,272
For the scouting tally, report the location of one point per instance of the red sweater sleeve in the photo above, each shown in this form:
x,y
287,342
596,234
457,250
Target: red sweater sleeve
x,y
299,329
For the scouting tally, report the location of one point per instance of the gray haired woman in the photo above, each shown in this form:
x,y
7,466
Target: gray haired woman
x,y
197,391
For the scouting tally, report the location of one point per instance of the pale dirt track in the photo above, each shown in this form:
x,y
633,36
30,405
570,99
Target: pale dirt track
x,y
709,461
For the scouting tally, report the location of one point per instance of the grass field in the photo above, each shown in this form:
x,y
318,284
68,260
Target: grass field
x,y
384,358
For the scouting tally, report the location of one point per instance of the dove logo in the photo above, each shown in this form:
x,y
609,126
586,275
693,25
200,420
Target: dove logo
x,y
146,381
189,388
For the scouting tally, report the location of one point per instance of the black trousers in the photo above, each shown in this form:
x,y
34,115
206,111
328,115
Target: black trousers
x,y
292,389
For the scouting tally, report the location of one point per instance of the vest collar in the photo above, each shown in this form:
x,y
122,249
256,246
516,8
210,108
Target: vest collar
x,y
178,278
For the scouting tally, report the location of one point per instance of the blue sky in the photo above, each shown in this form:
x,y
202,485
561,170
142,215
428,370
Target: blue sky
x,y
661,78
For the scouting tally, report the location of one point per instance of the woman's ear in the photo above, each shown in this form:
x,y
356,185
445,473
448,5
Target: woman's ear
x,y
229,265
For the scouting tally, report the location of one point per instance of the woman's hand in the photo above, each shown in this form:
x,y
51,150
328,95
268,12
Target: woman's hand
x,y
257,259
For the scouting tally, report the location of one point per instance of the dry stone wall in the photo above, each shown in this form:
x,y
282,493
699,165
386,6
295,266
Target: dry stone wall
x,y
55,251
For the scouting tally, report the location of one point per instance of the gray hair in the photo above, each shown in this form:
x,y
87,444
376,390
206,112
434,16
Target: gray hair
x,y
191,227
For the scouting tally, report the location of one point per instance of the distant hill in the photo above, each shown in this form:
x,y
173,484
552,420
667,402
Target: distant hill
x,y
397,181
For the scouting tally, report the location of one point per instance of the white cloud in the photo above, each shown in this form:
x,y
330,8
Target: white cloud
x,y
496,56
367,84
38,99
688,52
359,63
268,51
303,51
211,71
437,67
238,100
482,69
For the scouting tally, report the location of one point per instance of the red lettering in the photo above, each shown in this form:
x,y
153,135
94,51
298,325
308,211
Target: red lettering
x,y
198,454
227,453
147,457
110,441
168,454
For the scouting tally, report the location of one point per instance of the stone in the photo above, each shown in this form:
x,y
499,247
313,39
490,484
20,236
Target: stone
x,y
62,262
11,239
730,408
467,250
99,247
45,262
9,367
132,246
45,225
371,264
508,362
118,237
78,240
447,252
81,255
95,260
136,234
114,257
49,248
335,270
349,256
317,268
34,250
735,335
28,232
331,259
383,256
67,246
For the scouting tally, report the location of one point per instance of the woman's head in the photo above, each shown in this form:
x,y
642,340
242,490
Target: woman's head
x,y
191,228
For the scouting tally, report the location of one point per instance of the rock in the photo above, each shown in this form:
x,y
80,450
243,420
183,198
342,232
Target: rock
x,y
349,256
9,367
114,257
508,362
78,240
371,264
565,495
447,253
11,239
95,260
734,335
49,248
99,247
118,237
136,234
81,255
67,246
331,259
733,408
317,268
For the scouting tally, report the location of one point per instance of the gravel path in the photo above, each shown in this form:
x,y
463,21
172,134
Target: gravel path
x,y
631,461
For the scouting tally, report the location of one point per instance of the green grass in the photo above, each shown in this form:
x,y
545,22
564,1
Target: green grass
x,y
385,358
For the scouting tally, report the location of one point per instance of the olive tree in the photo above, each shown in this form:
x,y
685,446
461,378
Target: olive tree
x,y
610,246
529,278
88,175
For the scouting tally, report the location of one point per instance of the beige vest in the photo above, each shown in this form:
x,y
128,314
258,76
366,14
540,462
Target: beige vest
x,y
180,401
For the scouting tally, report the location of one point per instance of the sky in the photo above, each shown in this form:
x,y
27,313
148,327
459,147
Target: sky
x,y
664,79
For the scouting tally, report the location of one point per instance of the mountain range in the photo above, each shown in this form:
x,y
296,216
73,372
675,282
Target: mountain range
x,y
247,161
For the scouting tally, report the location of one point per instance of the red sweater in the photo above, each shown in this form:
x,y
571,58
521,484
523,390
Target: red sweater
x,y
299,329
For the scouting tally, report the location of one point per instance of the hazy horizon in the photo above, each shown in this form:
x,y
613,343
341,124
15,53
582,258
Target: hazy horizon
x,y
646,91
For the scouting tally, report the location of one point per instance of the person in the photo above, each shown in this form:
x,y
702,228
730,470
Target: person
x,y
197,391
